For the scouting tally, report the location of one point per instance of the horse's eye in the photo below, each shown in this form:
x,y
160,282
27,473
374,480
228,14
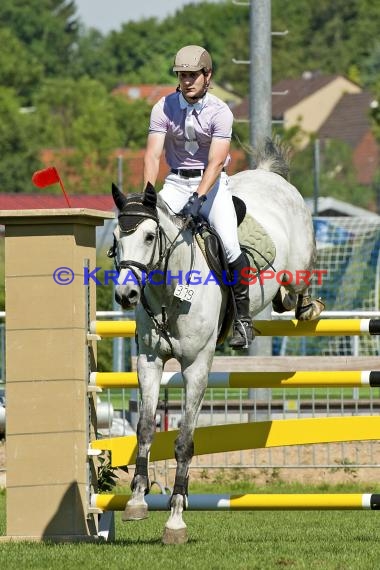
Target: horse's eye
x,y
149,238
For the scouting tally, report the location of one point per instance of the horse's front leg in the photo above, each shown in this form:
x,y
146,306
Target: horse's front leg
x,y
149,374
195,380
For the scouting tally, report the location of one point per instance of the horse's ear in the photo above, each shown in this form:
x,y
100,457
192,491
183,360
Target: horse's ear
x,y
150,196
118,197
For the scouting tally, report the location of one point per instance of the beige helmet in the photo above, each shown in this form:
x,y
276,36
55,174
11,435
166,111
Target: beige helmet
x,y
192,58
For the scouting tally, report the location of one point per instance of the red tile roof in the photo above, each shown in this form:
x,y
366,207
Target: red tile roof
x,y
287,93
19,201
349,120
152,93
295,90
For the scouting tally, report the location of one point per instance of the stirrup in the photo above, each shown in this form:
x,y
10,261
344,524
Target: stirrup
x,y
242,335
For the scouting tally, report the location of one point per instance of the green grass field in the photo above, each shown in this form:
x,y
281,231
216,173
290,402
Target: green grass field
x,y
224,540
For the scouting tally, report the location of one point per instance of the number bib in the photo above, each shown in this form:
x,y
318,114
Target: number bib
x,y
184,293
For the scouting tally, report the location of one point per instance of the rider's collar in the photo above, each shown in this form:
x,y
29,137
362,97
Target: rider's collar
x,y
197,106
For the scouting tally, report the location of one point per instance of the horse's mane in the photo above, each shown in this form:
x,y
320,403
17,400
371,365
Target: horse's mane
x,y
167,212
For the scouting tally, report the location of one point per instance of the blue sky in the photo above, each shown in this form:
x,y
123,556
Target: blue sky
x,y
106,15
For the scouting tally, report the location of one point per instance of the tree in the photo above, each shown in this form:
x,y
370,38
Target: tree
x,y
47,28
371,68
89,57
337,174
18,144
132,120
19,69
86,124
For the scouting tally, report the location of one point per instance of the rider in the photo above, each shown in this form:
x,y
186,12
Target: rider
x,y
194,127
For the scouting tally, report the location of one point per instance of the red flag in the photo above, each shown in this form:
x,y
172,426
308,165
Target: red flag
x,y
47,177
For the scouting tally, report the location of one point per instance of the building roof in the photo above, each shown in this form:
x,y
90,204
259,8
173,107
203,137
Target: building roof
x,y
287,93
153,93
349,120
328,206
20,201
292,91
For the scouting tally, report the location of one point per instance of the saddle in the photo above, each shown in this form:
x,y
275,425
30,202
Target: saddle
x,y
257,246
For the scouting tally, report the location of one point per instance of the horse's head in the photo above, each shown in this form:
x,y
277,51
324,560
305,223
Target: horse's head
x,y
136,242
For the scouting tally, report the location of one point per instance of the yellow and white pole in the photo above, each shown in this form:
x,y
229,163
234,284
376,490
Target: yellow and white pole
x,y
250,502
317,379
319,327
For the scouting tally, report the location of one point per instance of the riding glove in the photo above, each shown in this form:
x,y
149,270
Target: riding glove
x,y
194,205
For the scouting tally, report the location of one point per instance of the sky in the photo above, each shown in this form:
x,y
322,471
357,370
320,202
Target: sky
x,y
107,15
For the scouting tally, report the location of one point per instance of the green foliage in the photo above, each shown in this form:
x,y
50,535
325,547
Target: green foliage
x,y
132,120
104,302
337,175
107,476
325,36
82,116
19,69
18,143
47,28
375,111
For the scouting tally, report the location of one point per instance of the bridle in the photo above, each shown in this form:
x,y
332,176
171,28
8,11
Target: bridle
x,y
163,245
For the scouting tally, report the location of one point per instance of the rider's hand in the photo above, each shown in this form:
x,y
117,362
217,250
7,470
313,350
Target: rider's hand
x,y
194,205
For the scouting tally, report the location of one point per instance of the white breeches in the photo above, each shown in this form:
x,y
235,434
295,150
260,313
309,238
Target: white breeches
x,y
218,209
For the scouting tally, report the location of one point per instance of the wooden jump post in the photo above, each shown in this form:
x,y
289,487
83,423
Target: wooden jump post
x,y
49,475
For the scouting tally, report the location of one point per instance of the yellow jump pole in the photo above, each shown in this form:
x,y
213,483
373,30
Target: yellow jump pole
x,y
110,329
253,435
250,502
319,327
318,379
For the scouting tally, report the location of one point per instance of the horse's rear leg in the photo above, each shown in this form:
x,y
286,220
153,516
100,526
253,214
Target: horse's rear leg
x,y
195,378
307,308
149,380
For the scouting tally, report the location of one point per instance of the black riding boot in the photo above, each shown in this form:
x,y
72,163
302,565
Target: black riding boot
x,y
242,334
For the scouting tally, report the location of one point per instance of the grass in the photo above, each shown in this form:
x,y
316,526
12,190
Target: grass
x,y
241,540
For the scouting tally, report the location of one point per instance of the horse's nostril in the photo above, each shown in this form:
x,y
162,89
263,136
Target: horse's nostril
x,y
133,295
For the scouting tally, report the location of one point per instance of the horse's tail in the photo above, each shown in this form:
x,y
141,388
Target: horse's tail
x,y
273,156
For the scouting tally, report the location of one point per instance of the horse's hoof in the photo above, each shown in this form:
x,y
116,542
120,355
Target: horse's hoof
x,y
135,513
175,536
